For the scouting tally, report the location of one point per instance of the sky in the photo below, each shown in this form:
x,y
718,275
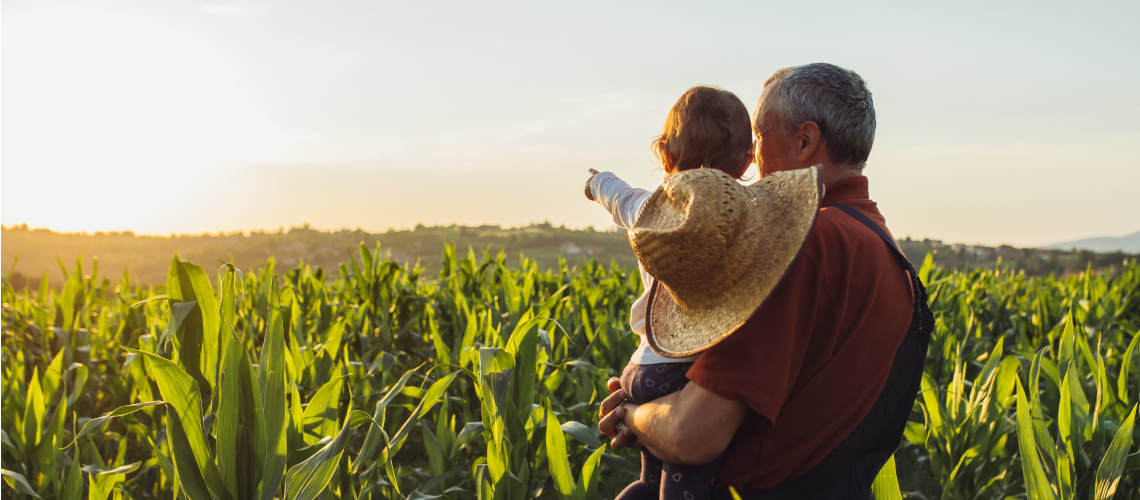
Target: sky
x,y
998,122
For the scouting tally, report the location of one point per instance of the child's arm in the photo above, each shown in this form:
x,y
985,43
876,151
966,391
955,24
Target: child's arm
x,y
618,198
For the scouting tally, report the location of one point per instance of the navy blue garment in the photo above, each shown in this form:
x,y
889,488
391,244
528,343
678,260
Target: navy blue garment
x,y
659,479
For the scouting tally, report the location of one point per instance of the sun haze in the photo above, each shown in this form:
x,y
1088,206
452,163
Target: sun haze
x,y
997,123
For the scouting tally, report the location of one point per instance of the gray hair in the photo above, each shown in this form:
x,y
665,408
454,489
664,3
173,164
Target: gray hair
x,y
834,98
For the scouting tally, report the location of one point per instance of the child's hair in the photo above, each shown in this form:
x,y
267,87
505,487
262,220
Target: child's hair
x,y
707,127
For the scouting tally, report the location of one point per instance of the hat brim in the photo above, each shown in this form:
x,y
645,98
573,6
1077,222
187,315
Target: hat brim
x,y
675,332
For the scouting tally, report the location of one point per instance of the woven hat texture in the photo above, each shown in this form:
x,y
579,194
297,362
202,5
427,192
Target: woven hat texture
x,y
717,249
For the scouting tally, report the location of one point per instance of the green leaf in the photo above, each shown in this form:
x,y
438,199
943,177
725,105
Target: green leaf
x,y
271,384
523,345
296,417
53,377
189,475
583,433
1125,367
926,269
471,430
18,482
320,418
886,485
307,479
495,367
198,342
557,458
181,393
933,406
93,425
1112,466
435,392
178,313
588,478
1133,462
152,298
80,383
33,413
240,425
1036,485
372,439
434,451
72,481
332,341
229,280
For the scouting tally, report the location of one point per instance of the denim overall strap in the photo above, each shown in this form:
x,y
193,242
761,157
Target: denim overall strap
x,y
848,471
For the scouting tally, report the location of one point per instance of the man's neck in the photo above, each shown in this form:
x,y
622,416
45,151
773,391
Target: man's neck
x,y
833,173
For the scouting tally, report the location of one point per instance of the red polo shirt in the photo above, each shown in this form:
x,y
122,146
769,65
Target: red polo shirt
x,y
813,358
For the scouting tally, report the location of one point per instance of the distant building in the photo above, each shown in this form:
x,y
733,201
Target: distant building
x,y
935,243
959,247
980,252
570,248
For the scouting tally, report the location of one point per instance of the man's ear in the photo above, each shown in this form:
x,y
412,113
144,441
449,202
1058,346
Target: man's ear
x,y
810,141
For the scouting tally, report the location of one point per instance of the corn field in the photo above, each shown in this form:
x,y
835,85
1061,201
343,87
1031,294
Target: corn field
x,y
375,381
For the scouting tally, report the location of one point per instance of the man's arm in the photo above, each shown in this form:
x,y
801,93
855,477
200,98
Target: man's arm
x,y
689,427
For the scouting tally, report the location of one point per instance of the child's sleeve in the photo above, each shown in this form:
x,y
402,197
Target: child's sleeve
x,y
617,197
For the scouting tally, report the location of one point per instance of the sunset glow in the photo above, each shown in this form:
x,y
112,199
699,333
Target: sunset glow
x,y
195,118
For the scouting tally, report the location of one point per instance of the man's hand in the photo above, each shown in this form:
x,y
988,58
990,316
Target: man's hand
x,y
590,193
691,426
610,418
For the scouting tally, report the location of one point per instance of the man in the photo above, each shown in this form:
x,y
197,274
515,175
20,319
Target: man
x,y
808,398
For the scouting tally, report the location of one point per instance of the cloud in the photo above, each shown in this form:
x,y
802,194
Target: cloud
x,y
229,10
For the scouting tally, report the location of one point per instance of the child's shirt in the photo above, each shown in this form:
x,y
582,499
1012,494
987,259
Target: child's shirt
x,y
625,204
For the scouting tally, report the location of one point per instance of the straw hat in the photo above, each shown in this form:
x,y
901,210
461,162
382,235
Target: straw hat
x,y
717,249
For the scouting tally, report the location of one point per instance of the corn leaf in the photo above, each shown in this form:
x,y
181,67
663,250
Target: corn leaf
x,y
198,331
72,487
372,439
523,345
1125,367
181,393
271,385
33,413
435,392
307,479
1036,485
587,486
240,425
18,482
557,458
1112,466
583,433
229,279
190,477
886,484
320,417
93,425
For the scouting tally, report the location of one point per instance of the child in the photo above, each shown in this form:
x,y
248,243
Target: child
x,y
707,128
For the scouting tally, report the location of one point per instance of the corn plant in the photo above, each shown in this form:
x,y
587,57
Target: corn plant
x,y
374,380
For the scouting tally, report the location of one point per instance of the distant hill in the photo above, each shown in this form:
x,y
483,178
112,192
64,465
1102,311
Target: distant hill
x,y
1127,244
148,257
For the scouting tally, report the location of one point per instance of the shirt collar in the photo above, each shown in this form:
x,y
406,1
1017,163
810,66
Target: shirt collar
x,y
852,188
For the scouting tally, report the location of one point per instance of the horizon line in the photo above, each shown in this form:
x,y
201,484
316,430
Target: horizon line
x,y
306,226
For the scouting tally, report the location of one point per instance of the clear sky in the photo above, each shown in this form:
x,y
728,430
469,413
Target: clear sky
x,y
999,122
